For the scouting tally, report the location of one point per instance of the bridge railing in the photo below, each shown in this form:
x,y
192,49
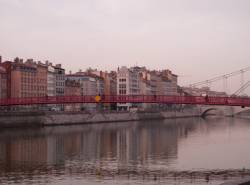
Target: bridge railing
x,y
230,101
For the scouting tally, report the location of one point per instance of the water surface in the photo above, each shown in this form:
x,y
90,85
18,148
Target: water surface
x,y
179,151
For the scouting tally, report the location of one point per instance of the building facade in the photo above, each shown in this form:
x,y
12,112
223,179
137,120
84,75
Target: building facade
x,y
140,81
25,79
72,88
41,79
90,84
127,84
3,83
51,80
110,87
59,80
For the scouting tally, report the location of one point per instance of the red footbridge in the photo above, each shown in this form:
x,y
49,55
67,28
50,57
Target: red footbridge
x,y
162,99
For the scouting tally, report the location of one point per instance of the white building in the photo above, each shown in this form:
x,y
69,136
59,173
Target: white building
x,y
127,84
59,82
51,81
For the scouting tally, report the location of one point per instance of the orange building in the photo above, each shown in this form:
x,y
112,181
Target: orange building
x,y
27,79
110,87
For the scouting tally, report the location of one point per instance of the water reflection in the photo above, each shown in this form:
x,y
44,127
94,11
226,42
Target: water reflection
x,y
135,142
169,145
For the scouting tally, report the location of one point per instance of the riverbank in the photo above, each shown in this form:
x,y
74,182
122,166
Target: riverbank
x,y
40,119
239,182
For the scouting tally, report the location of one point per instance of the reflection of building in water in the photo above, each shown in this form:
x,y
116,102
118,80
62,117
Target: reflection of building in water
x,y
2,151
28,150
90,145
146,144
120,146
108,145
62,146
55,150
158,143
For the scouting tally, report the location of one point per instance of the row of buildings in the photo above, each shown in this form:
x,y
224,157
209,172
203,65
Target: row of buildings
x,y
19,78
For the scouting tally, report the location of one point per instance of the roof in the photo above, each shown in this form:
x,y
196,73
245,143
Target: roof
x,y
84,74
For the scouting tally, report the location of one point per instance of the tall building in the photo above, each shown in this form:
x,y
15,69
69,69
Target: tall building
x,y
59,75
25,79
3,83
51,80
59,80
72,88
127,84
41,79
110,87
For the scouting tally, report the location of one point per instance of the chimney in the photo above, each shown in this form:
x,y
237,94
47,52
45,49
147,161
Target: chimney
x,y
17,60
58,65
70,72
47,62
0,59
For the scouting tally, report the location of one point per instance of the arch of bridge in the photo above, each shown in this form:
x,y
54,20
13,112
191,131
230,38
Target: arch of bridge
x,y
227,111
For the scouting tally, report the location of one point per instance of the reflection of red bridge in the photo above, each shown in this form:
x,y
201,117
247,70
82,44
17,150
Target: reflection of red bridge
x,y
195,100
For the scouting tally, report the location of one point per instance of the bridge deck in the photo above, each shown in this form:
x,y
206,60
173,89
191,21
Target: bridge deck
x,y
195,100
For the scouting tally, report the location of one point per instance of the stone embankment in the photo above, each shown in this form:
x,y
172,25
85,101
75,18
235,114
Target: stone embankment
x,y
39,119
239,182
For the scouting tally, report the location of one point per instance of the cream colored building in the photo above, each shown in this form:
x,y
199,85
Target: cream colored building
x,y
128,83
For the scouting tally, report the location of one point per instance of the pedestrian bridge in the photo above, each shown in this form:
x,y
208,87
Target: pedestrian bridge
x,y
193,100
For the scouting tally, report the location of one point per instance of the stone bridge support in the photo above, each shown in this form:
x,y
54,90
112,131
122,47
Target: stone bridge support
x,y
221,110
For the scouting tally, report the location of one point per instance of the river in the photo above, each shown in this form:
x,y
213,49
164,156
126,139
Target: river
x,y
172,151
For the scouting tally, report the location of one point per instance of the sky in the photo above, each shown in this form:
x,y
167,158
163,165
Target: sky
x,y
196,39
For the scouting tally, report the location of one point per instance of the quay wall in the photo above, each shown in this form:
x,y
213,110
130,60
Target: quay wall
x,y
39,119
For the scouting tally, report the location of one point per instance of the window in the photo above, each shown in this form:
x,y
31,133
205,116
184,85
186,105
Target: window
x,y
122,80
122,86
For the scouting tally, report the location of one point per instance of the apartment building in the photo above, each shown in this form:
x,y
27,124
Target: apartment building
x,y
3,83
59,73
72,88
139,80
51,80
110,87
90,84
25,79
127,84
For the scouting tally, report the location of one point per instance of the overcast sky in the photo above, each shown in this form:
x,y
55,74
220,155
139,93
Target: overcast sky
x,y
195,38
